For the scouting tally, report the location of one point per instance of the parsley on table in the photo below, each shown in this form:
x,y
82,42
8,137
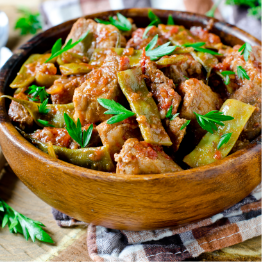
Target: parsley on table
x,y
29,22
197,47
159,51
211,12
185,124
154,18
36,91
170,20
227,74
44,123
224,139
208,121
19,223
242,73
169,114
245,50
42,108
57,47
122,23
82,137
114,108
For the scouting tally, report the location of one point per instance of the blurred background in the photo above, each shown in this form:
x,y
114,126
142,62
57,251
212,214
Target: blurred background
x,y
21,19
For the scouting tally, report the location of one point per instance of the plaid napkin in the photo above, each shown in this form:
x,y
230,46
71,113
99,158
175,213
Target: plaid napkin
x,y
233,226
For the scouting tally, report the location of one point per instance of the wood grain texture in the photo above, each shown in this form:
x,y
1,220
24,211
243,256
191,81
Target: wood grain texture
x,y
135,202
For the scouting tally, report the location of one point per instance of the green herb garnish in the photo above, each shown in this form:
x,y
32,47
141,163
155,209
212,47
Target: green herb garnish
x,y
197,48
75,131
159,51
42,108
224,139
184,125
57,47
154,18
170,20
122,23
147,29
44,123
169,114
18,223
208,121
245,50
116,109
242,73
227,74
211,12
36,91
29,22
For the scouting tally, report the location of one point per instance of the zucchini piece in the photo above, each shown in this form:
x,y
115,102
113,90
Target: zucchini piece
x,y
206,151
143,105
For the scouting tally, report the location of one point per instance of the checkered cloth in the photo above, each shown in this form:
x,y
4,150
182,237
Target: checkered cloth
x,y
233,226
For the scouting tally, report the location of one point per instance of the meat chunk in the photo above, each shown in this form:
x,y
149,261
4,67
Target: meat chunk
x,y
197,97
143,158
103,36
102,83
173,129
138,42
63,89
183,70
116,134
162,88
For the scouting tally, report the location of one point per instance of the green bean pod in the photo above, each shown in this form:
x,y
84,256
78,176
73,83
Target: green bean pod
x,y
56,115
144,106
75,69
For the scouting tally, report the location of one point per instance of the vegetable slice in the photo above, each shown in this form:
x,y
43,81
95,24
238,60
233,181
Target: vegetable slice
x,y
75,69
206,151
144,106
55,117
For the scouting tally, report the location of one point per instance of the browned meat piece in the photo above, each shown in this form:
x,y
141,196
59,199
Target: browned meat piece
x,y
197,97
137,41
143,158
63,89
173,129
183,70
104,36
60,137
102,83
20,115
162,88
115,135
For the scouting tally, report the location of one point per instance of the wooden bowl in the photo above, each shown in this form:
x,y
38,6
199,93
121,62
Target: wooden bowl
x,y
133,202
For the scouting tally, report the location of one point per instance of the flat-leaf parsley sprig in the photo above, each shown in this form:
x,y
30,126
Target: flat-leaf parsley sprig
x,y
226,74
224,139
44,123
19,223
122,23
169,114
185,124
197,47
159,51
42,108
170,20
36,91
208,121
154,18
82,137
242,73
114,108
57,47
245,50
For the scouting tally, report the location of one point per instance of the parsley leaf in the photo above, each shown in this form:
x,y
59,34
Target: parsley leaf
x,y
226,74
147,29
159,51
75,131
245,50
170,20
208,121
44,123
57,47
211,12
116,109
37,91
242,73
169,114
42,108
29,22
197,48
154,18
184,125
122,23
224,139
18,223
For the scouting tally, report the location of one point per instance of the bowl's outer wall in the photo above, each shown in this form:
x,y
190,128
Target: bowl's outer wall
x,y
135,202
